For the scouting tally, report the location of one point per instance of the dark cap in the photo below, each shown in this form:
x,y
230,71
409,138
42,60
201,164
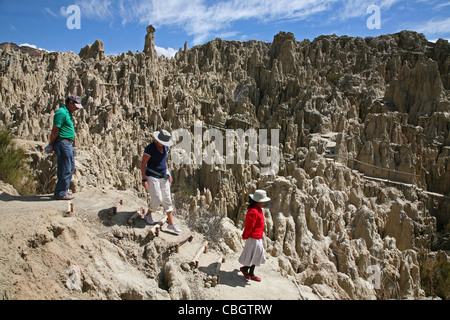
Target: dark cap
x,y
76,101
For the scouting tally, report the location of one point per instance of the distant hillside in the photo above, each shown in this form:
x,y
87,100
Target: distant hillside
x,y
32,52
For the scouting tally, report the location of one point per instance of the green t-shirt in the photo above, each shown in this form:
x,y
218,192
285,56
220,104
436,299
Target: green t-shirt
x,y
63,120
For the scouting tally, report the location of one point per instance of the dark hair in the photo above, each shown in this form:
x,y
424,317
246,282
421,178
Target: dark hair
x,y
69,99
251,202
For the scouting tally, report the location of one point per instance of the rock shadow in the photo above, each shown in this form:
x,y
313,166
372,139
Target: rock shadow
x,y
228,278
120,219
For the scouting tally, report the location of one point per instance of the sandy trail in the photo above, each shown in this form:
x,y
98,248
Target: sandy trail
x,y
34,255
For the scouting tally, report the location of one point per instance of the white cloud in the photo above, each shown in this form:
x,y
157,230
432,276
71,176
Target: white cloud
x,y
169,52
202,19
31,46
229,34
50,12
435,26
206,19
96,9
441,5
27,45
63,11
358,8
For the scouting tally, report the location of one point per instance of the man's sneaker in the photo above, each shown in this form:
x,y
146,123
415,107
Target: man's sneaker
x,y
149,219
174,228
66,197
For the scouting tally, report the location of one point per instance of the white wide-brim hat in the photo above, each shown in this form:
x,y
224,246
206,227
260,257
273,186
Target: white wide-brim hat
x,y
260,196
163,137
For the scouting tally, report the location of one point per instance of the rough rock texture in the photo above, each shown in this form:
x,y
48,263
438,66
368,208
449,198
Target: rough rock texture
x,y
149,47
364,144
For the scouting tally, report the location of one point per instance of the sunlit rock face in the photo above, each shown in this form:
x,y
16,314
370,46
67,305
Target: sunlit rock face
x,y
363,142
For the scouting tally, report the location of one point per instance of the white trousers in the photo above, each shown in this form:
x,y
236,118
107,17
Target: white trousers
x,y
159,190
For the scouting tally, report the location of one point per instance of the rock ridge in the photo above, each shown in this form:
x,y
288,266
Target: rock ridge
x,y
364,170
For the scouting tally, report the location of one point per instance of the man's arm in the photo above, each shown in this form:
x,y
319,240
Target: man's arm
x,y
53,136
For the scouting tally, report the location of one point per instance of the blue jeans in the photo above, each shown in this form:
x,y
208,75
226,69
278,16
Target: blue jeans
x,y
66,166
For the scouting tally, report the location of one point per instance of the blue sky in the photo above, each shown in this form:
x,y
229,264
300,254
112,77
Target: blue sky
x,y
121,24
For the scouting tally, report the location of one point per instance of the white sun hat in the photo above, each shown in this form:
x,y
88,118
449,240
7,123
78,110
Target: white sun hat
x,y
163,137
260,196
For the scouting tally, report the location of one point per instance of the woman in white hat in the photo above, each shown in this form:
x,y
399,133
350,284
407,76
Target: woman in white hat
x,y
156,177
253,254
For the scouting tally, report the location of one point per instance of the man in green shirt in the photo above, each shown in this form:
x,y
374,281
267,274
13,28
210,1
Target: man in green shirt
x,y
61,141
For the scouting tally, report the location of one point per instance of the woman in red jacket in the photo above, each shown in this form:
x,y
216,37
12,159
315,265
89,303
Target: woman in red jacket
x,y
253,254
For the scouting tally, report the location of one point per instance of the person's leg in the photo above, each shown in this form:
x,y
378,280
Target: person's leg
x,y
155,198
244,258
167,204
170,223
244,270
72,162
66,166
148,217
170,218
71,153
251,274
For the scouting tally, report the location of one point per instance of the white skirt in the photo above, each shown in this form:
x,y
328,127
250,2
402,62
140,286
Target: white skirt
x,y
253,253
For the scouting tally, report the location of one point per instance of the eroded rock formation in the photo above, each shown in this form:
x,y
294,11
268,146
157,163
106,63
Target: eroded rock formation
x,y
364,169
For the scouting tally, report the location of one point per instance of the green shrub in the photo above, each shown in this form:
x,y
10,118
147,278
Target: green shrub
x,y
435,276
334,77
13,165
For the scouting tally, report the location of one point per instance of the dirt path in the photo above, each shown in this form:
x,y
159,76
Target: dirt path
x,y
38,244
272,287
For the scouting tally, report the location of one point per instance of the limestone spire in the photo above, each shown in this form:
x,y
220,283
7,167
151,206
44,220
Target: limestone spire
x,y
149,48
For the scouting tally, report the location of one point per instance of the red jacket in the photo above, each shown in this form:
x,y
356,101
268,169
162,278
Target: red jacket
x,y
254,223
